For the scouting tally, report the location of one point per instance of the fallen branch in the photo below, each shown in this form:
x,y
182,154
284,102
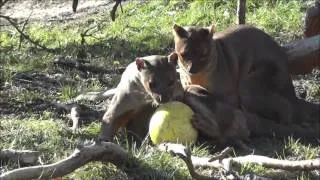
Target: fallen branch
x,y
229,163
105,153
61,61
22,156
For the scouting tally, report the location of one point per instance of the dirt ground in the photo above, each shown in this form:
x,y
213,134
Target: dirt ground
x,y
50,10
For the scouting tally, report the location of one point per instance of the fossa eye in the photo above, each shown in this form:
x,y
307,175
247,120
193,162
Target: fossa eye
x,y
152,84
171,82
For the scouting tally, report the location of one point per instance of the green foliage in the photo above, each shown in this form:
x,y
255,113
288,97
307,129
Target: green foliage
x,y
68,92
49,137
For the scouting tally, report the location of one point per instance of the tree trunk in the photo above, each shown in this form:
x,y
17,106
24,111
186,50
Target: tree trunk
x,y
241,11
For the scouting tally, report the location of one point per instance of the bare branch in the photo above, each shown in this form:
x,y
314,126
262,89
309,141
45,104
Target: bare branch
x,y
23,27
23,156
2,3
14,24
185,154
105,153
226,152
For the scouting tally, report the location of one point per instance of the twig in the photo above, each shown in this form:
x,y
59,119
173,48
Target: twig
x,y
82,52
13,23
185,154
223,154
105,153
23,156
2,3
23,27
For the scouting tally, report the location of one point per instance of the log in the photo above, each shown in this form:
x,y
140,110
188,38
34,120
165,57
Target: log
x,y
304,55
105,152
312,20
22,156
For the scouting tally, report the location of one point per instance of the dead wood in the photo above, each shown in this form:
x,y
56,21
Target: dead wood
x,y
229,163
79,65
301,48
105,153
22,156
3,2
185,154
223,154
304,55
312,20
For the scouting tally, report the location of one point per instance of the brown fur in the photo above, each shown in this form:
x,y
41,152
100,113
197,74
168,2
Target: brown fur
x,y
214,119
144,84
227,125
242,66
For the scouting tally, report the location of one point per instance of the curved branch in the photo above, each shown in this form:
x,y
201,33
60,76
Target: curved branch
x,y
104,152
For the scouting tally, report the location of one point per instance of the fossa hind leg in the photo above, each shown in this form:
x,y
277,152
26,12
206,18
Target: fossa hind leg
x,y
118,115
215,119
204,120
138,126
259,95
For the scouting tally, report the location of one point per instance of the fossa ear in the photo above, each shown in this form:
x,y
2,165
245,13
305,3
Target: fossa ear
x,y
141,64
179,31
173,58
212,30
